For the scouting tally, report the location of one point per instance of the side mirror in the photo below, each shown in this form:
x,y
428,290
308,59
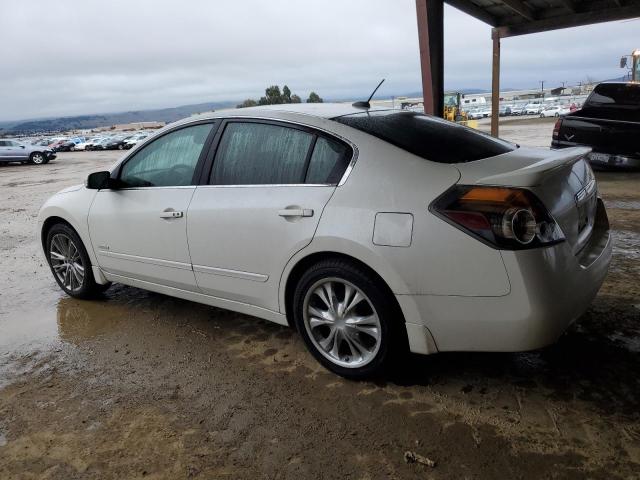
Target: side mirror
x,y
98,180
22,146
623,62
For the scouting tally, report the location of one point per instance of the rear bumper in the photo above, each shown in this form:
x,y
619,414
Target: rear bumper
x,y
550,288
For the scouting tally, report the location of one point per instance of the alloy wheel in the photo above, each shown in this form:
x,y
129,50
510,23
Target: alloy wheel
x,y
342,323
66,262
37,158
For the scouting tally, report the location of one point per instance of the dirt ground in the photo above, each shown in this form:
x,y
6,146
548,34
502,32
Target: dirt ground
x,y
143,385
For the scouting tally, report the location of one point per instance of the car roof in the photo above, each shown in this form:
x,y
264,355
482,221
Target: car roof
x,y
321,110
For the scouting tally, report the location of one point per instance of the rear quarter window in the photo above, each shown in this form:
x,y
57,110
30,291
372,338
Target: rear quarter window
x,y
428,137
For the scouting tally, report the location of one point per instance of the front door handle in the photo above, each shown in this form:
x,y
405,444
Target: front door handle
x,y
171,214
296,212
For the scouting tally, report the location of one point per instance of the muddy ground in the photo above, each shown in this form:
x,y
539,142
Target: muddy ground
x,y
143,385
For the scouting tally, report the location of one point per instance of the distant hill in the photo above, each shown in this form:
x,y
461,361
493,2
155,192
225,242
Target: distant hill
x,y
166,115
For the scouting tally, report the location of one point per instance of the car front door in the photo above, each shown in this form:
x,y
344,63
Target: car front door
x,y
138,230
265,193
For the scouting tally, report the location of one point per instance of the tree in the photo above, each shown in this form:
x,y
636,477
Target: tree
x,y
249,102
273,96
286,94
314,98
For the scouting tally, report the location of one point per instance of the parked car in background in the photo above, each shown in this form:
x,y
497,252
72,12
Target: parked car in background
x,y
533,109
115,143
99,144
474,114
518,110
55,143
133,140
69,145
373,231
83,145
13,151
609,123
554,111
505,110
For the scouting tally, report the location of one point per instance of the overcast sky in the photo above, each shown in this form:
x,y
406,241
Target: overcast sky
x,y
74,57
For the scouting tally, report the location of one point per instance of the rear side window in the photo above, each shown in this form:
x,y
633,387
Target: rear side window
x,y
328,161
615,95
261,154
428,137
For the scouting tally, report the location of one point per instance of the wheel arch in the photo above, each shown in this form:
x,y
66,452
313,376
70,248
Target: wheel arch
x,y
302,264
50,222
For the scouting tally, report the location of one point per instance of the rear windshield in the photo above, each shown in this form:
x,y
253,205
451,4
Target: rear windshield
x,y
428,137
623,95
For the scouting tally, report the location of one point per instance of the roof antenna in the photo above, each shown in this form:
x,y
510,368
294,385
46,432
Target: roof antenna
x,y
367,104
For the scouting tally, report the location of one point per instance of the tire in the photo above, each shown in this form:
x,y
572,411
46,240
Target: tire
x,y
557,115
37,158
75,278
351,351
120,147
72,148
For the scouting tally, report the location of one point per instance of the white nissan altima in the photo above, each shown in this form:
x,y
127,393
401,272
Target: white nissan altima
x,y
373,232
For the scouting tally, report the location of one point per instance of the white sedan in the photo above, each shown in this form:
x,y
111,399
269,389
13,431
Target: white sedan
x,y
373,232
554,111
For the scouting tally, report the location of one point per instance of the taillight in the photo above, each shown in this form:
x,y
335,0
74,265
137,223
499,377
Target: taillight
x,y
556,128
504,218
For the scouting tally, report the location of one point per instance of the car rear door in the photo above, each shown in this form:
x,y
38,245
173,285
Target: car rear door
x,y
261,203
138,231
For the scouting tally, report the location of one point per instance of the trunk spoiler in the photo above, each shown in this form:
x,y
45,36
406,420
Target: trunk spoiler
x,y
533,173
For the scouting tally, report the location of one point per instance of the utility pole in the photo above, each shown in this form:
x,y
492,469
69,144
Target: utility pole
x,y
542,89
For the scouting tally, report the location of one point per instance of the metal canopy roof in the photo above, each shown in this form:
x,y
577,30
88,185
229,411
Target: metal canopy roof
x,y
519,17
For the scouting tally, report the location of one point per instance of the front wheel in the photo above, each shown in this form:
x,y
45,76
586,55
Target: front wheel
x,y
347,320
37,158
70,263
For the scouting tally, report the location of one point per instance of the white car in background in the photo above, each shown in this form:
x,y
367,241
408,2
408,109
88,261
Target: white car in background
x,y
372,232
133,140
83,145
533,109
554,111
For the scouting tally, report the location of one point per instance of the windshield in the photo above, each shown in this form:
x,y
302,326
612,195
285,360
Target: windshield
x,y
428,137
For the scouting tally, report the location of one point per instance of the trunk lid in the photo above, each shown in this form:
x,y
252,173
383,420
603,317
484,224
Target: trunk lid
x,y
561,179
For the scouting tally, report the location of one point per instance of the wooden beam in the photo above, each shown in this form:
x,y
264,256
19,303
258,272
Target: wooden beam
x,y
573,20
495,85
430,15
520,8
470,8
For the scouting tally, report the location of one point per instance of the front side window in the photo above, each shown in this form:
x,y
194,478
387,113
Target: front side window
x,y
261,154
168,161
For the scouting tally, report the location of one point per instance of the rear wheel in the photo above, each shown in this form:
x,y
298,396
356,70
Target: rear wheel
x,y
347,320
37,158
70,264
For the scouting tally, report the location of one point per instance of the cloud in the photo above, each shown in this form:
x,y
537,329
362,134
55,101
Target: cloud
x,y
96,56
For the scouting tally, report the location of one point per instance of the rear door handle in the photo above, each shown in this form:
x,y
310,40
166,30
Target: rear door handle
x,y
171,214
296,212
